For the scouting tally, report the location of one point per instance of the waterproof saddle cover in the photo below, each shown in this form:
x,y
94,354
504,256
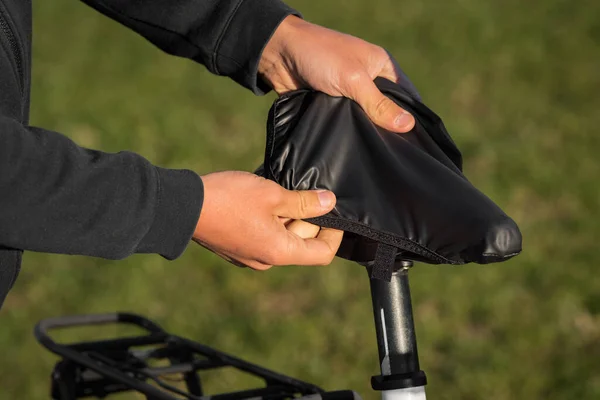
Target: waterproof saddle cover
x,y
399,196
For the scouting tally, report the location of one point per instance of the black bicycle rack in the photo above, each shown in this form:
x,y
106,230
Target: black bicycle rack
x,y
100,368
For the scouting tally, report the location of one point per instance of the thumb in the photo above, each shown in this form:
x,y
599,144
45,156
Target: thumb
x,y
383,111
299,204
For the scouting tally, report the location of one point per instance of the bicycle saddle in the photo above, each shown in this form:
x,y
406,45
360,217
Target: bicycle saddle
x,y
399,196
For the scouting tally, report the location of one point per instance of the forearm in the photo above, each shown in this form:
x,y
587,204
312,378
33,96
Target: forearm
x,y
61,198
227,36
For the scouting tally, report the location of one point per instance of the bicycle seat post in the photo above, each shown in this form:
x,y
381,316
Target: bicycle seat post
x,y
401,377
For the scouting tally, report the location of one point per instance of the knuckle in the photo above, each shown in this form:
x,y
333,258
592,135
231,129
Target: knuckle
x,y
352,83
355,77
332,256
381,106
329,257
303,203
322,263
382,53
276,197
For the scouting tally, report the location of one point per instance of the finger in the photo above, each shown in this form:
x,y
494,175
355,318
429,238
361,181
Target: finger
x,y
318,251
246,263
239,262
390,69
231,260
303,229
382,111
332,237
256,265
299,204
390,72
393,69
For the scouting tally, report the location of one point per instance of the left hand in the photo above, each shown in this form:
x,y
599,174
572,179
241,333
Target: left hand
x,y
251,221
301,54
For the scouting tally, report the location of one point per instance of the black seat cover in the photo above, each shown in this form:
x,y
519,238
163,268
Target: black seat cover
x,y
399,196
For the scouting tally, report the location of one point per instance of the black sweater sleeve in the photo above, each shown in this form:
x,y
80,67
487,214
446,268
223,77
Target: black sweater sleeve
x,y
80,201
227,36
58,197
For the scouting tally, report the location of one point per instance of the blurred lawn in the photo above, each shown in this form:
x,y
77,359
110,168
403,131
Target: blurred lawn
x,y
517,84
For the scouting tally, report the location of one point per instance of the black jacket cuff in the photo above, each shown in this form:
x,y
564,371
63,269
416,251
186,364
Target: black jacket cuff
x,y
244,38
180,198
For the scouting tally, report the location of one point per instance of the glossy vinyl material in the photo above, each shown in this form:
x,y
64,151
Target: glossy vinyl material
x,y
405,191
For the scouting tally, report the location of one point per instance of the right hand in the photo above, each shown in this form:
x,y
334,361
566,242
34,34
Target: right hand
x,y
301,54
245,220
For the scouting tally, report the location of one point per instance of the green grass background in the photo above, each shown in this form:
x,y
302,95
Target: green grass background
x,y
517,84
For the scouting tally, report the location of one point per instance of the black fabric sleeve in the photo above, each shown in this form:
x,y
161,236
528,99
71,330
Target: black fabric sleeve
x,y
58,197
227,36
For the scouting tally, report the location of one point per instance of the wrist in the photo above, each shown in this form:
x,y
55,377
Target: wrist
x,y
276,60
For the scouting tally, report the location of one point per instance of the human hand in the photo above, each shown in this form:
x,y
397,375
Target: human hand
x,y
301,54
252,221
